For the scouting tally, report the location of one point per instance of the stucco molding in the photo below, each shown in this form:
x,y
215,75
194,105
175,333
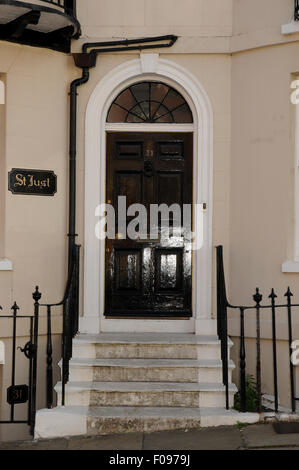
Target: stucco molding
x,y
290,28
95,155
2,353
149,63
6,265
290,267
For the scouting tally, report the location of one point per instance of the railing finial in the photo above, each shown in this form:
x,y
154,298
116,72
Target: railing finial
x,y
36,294
257,296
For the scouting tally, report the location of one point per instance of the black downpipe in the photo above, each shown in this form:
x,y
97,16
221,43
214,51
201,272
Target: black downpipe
x,y
128,42
72,163
87,60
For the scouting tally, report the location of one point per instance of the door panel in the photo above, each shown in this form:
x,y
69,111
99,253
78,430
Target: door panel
x,y
169,270
129,185
170,150
128,270
129,151
170,187
149,277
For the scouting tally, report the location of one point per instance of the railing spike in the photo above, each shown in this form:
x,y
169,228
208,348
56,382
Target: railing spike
x,y
272,295
288,293
15,307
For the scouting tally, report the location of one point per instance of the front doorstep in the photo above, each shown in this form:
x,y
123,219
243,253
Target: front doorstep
x,y
126,382
92,324
77,421
151,315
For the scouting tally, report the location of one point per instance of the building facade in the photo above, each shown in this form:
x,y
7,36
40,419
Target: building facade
x,y
198,109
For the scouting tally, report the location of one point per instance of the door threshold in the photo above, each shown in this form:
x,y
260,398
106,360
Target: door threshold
x,y
146,316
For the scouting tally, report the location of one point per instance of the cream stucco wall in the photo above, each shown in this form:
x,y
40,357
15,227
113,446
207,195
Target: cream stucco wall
x,y
262,170
116,18
36,137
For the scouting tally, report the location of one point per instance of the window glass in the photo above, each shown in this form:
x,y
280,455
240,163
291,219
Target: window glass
x,y
150,102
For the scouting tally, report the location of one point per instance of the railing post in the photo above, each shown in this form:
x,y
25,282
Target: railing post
x,y
258,298
242,362
64,372
289,295
49,360
273,296
222,321
30,371
296,10
36,297
15,309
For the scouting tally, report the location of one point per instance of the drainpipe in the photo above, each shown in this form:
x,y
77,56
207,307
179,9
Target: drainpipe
x,y
72,162
87,60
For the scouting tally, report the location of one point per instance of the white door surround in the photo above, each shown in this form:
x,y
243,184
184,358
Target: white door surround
x,y
147,67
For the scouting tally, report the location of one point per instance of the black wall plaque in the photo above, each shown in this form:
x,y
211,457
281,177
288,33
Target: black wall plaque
x,y
32,182
17,394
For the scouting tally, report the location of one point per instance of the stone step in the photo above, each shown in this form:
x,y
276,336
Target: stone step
x,y
83,420
147,370
142,346
139,382
150,394
115,420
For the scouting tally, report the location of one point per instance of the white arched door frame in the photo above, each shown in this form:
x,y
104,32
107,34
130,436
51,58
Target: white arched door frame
x,y
149,66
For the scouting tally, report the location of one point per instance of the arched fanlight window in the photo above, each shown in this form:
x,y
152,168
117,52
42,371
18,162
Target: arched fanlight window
x,y
150,102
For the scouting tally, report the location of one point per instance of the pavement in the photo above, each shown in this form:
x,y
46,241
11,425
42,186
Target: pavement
x,y
240,437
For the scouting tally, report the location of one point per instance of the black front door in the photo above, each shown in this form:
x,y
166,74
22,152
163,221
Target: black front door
x,y
149,276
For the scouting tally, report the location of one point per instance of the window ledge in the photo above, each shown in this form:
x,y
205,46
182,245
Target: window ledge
x,y
6,265
290,28
2,353
290,267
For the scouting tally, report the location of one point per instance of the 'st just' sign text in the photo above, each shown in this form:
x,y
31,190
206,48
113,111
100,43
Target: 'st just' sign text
x,y
32,182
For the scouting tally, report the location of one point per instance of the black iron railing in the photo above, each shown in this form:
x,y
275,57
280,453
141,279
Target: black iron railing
x,y
296,10
26,393
69,6
222,309
70,306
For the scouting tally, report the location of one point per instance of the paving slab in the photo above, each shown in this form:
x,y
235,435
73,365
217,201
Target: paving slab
x,y
275,449
254,437
55,444
264,435
117,442
223,438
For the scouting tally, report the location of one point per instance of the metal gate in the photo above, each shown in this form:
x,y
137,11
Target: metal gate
x,y
23,393
285,310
